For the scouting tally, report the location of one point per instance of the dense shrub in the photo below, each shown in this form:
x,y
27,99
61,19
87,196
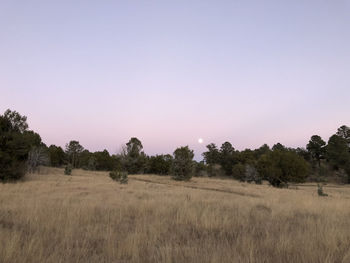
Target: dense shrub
x,y
238,172
282,166
119,176
159,164
57,156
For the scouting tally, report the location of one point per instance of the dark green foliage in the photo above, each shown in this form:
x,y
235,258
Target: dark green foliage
x,y
212,156
73,152
282,166
227,157
68,169
278,147
15,121
200,169
338,152
159,164
57,156
119,176
183,164
15,143
344,132
102,161
303,153
133,158
316,148
91,165
247,156
238,172
264,149
84,158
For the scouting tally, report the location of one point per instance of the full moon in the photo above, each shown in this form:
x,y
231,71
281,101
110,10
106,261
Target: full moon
x,y
200,140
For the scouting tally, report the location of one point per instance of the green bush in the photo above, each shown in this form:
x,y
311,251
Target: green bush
x,y
68,169
124,178
119,176
282,166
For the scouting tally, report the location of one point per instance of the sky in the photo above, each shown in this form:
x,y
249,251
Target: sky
x,y
171,72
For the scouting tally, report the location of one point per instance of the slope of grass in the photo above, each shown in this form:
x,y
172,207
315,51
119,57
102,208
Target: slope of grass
x,y
89,218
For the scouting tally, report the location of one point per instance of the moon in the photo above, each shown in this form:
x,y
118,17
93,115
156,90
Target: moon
x,y
200,140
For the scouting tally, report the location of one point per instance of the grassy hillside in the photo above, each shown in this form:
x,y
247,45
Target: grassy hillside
x,y
88,217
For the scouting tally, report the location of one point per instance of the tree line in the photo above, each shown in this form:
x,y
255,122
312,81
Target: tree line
x,y
22,150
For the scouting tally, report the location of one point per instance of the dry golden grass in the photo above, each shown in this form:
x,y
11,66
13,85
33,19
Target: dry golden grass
x,y
88,217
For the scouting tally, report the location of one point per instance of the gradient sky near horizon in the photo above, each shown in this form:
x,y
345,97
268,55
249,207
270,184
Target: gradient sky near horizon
x,y
170,72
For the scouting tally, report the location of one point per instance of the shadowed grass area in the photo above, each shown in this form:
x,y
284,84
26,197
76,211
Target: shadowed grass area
x,y
87,217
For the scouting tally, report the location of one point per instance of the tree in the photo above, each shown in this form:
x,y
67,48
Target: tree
x,y
57,155
280,167
337,152
279,147
15,143
104,161
316,148
73,151
183,164
159,164
262,150
344,132
303,153
134,147
135,159
212,156
91,165
17,122
37,156
227,157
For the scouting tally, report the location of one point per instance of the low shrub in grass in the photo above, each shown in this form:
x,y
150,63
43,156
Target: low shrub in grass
x,y
119,176
320,190
68,169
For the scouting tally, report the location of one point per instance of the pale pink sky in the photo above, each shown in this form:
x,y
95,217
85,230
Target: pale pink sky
x,y
169,72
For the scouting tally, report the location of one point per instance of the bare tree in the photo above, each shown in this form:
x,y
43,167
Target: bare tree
x,y
36,157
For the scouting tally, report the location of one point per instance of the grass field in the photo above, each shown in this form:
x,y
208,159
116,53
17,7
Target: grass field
x,y
88,217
